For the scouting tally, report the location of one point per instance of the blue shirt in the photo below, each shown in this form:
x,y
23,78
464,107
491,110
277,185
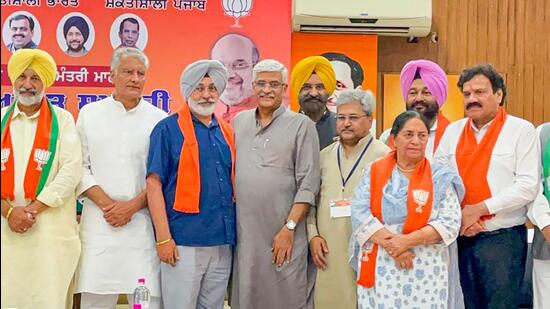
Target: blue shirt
x,y
214,225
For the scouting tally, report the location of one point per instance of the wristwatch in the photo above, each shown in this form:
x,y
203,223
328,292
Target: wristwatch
x,y
290,224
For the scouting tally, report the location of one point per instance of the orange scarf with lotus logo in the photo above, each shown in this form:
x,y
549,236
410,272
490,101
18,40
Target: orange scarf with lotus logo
x,y
41,157
419,205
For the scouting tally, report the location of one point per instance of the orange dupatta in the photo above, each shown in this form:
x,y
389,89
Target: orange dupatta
x,y
419,205
41,156
472,160
188,185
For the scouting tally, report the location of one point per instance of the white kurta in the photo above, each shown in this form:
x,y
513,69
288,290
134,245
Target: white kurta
x,y
115,144
38,266
513,174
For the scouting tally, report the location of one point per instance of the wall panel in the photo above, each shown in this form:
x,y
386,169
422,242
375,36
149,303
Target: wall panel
x,y
513,35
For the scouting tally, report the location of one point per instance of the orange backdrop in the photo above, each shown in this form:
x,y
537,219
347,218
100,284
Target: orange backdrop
x,y
362,48
175,39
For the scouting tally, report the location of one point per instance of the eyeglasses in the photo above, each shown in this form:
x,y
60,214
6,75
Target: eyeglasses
x,y
201,88
309,87
272,84
352,118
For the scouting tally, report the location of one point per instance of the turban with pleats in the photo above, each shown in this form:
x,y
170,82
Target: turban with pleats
x,y
431,74
38,60
196,71
304,69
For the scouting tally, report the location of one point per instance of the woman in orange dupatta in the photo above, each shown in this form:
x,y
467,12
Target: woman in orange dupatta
x,y
405,218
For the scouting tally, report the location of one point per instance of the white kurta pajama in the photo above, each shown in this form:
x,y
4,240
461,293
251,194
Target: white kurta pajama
x,y
115,144
38,265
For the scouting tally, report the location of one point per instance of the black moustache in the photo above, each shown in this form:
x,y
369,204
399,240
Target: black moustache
x,y
312,99
472,105
419,104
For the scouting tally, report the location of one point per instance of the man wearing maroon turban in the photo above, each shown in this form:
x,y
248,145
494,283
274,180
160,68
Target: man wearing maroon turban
x,y
424,86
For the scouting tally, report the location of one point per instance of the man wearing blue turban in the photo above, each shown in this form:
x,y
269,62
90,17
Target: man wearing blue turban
x,y
76,32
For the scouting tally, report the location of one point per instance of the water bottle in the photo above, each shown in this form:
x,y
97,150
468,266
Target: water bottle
x,y
142,296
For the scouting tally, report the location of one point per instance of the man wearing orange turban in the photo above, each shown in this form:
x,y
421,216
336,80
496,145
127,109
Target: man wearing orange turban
x,y
41,167
313,80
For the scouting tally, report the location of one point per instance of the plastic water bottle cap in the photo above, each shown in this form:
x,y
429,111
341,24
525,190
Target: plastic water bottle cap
x,y
137,306
141,280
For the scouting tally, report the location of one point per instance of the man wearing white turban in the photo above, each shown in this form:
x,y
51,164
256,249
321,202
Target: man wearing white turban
x,y
190,172
41,167
118,243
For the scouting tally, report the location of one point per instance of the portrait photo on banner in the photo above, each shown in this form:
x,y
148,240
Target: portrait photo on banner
x,y
129,30
20,30
75,34
82,40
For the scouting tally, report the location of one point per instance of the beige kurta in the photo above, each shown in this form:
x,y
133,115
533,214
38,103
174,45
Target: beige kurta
x,y
335,287
38,266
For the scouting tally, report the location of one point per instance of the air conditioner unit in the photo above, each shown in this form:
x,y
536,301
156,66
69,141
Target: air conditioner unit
x,y
412,18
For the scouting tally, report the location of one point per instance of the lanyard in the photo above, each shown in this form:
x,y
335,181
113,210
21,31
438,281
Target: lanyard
x,y
344,181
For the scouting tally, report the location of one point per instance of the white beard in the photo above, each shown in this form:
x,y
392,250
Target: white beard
x,y
201,110
26,100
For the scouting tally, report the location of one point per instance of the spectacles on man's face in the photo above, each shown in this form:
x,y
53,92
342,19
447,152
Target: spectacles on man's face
x,y
201,88
260,84
353,118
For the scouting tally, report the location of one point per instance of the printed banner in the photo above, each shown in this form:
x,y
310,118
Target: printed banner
x,y
81,36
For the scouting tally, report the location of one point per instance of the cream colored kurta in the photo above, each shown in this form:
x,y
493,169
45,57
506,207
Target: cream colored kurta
x,y
335,287
38,266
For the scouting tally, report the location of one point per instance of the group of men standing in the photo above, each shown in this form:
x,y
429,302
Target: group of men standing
x,y
186,201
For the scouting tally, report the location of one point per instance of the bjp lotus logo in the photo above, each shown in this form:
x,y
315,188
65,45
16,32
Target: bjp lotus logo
x,y
5,157
420,198
237,9
41,157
